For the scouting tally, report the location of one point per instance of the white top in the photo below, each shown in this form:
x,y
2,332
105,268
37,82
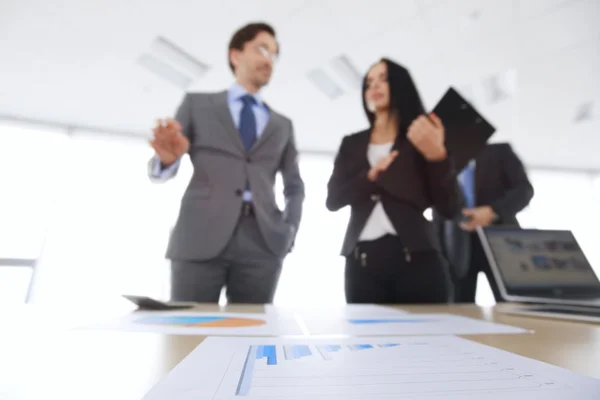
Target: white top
x,y
378,224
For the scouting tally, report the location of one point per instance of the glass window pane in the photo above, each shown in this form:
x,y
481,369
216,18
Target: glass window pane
x,y
596,183
29,160
14,283
313,274
112,223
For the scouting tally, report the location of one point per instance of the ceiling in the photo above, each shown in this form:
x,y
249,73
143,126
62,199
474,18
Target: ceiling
x,y
74,62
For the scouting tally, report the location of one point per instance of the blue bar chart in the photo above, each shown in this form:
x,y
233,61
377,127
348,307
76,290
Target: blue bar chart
x,y
293,352
404,325
327,351
373,369
268,352
386,368
390,321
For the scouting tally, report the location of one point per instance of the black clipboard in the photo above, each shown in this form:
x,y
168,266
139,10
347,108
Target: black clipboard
x,y
467,132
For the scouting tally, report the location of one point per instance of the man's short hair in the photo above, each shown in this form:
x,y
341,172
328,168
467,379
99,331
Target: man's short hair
x,y
247,34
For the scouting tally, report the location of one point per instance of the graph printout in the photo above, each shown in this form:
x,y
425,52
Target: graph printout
x,y
407,324
202,323
428,367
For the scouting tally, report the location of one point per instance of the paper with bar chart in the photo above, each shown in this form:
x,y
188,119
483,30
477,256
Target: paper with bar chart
x,y
434,367
407,324
202,323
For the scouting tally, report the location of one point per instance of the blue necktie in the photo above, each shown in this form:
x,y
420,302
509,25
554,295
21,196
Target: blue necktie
x,y
248,122
467,182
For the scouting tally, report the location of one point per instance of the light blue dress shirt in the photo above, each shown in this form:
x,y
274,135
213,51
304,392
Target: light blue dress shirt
x,y
466,179
234,95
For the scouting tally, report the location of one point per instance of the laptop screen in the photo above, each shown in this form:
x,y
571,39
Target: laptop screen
x,y
540,262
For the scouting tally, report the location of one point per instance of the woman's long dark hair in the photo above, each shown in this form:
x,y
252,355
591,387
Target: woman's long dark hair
x,y
405,101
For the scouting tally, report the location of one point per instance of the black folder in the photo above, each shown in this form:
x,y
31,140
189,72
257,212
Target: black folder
x,y
467,132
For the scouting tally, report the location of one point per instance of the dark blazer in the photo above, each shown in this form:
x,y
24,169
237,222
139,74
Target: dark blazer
x,y
500,182
406,189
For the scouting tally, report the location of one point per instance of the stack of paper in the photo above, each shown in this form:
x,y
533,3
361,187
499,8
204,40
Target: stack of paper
x,y
365,368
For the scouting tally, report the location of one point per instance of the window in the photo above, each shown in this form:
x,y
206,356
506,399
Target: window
x,y
14,283
111,227
28,160
29,157
84,208
313,273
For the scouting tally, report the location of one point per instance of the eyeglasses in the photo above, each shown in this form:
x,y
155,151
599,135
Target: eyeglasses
x,y
267,54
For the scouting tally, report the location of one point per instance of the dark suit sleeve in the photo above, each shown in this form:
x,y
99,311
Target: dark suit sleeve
x,y
346,187
520,191
443,188
293,185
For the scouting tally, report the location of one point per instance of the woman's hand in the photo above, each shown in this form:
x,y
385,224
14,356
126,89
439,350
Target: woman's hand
x,y
427,135
382,164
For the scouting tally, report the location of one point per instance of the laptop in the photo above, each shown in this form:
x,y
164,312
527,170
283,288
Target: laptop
x,y
544,267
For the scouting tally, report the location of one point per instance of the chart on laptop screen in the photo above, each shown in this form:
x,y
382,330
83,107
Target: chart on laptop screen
x,y
364,368
530,258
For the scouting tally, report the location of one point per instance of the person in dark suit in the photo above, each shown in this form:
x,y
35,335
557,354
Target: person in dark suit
x,y
388,175
495,188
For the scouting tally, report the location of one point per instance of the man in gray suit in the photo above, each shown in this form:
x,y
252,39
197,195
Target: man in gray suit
x,y
230,232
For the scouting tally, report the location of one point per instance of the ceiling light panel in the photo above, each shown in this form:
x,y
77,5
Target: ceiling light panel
x,y
584,112
169,52
165,71
324,83
345,68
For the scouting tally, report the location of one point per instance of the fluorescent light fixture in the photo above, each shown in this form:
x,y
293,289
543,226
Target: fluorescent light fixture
x,y
493,91
165,71
171,63
475,14
470,19
500,87
324,83
168,51
347,71
584,112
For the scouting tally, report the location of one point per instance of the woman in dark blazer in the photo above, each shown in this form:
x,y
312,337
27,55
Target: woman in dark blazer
x,y
389,175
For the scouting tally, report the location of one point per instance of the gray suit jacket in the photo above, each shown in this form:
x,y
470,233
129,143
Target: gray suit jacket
x,y
211,205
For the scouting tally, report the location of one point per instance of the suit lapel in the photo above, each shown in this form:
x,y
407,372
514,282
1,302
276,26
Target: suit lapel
x,y
272,126
224,116
362,148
